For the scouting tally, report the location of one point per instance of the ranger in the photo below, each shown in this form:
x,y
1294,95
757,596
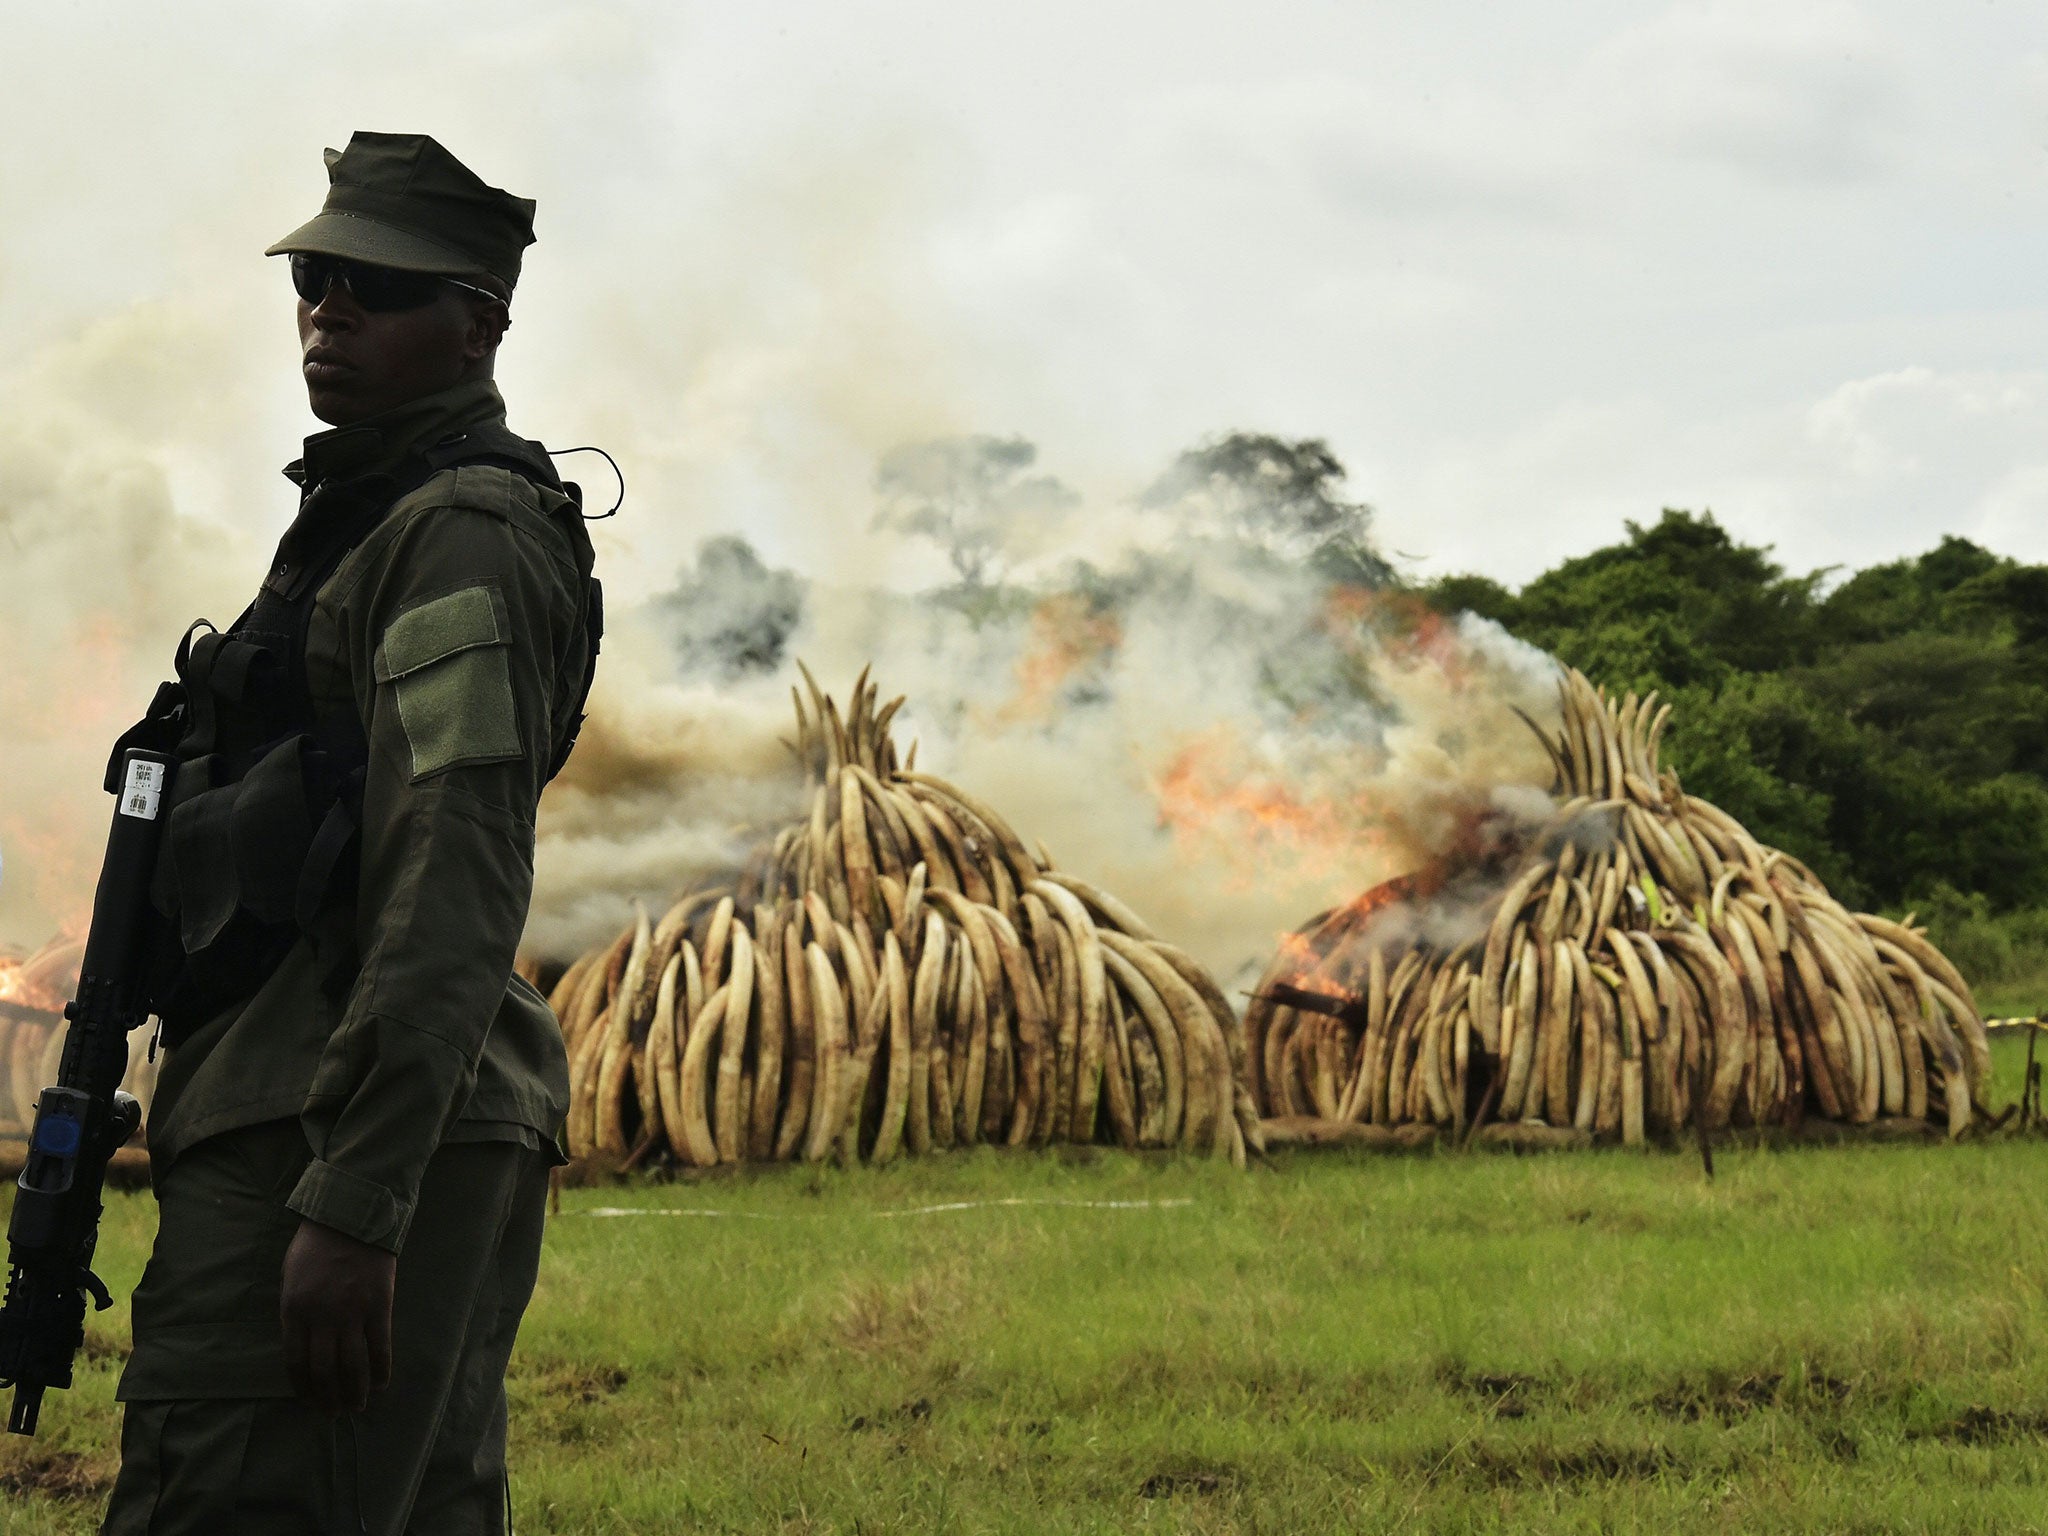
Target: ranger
x,y
357,1109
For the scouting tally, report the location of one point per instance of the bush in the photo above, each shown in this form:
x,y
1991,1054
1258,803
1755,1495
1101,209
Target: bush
x,y
2003,955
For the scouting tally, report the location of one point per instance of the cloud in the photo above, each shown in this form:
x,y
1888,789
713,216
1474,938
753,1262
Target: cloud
x,y
1870,469
1803,95
1391,156
1887,447
2012,514
1887,424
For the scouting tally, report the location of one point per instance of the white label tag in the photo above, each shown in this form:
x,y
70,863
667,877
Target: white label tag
x,y
144,791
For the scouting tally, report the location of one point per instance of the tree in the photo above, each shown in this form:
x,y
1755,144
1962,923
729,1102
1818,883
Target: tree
x,y
970,495
1731,602
729,613
1285,496
1893,734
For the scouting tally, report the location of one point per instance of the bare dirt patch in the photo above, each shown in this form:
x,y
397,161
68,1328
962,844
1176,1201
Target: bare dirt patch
x,y
585,1386
1205,1480
1508,1394
1539,1466
1730,1398
41,1474
915,1412
1986,1426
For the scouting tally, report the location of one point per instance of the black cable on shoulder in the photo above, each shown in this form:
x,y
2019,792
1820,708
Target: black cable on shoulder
x,y
613,510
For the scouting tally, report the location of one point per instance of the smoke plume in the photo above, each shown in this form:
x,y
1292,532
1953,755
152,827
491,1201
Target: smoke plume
x,y
1196,681
1210,697
99,574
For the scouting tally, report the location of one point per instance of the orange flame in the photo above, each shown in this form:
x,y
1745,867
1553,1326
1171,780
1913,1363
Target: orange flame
x,y
1330,953
45,980
1204,784
1068,633
52,844
52,853
1213,791
1402,626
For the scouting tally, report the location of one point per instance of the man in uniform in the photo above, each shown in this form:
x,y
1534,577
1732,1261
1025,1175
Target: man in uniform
x,y
355,1117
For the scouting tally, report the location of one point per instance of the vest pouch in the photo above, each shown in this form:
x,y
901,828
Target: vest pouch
x,y
231,686
248,862
238,846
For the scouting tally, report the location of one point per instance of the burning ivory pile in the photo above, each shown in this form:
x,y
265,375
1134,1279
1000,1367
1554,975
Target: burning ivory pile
x,y
893,974
1650,967
33,992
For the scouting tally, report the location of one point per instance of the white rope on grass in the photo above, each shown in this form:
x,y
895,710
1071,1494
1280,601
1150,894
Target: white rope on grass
x,y
1080,1205
915,1210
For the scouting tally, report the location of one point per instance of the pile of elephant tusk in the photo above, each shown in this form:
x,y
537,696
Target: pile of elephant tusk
x,y
33,992
892,974
1649,969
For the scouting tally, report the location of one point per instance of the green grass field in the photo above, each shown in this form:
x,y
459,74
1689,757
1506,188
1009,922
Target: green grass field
x,y
1821,1339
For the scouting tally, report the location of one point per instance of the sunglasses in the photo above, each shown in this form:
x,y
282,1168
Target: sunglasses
x,y
379,290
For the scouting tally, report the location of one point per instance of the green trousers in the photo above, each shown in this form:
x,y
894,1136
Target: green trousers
x,y
214,1442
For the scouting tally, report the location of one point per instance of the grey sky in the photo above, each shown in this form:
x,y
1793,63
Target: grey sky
x,y
1531,269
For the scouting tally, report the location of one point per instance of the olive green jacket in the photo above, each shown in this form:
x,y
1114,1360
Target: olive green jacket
x,y
454,634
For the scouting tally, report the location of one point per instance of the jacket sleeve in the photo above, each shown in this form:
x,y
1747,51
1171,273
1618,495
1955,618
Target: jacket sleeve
x,y
455,628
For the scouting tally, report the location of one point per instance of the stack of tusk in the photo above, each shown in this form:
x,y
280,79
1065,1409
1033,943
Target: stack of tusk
x,y
1649,968
32,997
30,1042
894,973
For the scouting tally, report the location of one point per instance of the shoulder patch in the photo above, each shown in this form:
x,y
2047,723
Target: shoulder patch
x,y
447,662
441,626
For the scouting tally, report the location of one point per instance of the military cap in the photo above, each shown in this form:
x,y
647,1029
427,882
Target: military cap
x,y
401,200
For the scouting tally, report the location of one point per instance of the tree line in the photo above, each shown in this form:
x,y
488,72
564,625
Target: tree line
x,y
1888,726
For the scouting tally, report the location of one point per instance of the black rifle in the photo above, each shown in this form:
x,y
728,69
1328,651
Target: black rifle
x,y
84,1117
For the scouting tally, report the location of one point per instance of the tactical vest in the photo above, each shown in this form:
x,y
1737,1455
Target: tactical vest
x,y
266,805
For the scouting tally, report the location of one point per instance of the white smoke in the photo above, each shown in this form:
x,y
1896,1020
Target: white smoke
x,y
1148,673
99,574
1174,700
1197,716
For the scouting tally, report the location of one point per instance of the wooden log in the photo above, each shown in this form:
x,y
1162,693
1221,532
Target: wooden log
x,y
1313,1131
1521,1136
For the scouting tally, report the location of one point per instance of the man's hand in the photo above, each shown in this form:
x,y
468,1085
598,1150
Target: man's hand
x,y
337,1318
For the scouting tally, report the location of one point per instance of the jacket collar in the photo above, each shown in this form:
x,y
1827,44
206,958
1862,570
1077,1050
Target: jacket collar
x,y
380,443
